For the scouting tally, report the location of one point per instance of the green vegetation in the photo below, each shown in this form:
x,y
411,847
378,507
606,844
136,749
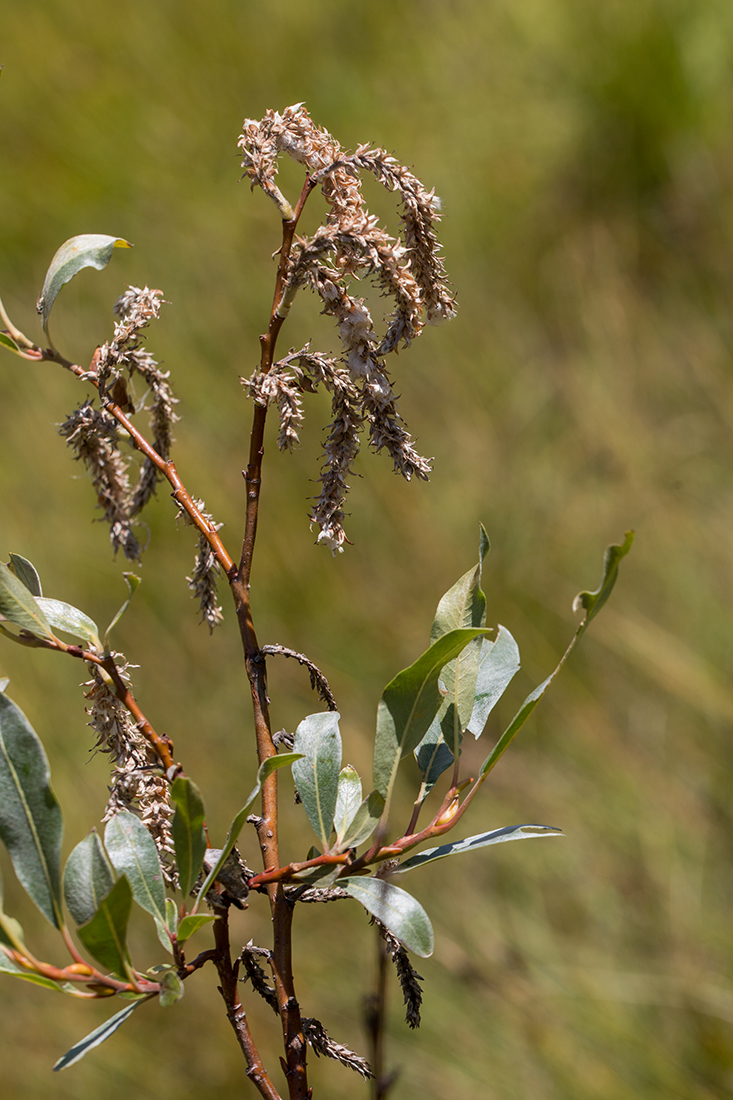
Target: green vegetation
x,y
583,155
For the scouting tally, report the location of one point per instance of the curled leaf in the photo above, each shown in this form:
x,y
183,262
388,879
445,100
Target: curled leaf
x,y
86,250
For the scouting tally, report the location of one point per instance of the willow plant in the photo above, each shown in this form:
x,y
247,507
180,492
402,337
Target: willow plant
x,y
155,851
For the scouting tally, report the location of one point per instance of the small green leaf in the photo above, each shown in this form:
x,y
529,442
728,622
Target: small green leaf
x,y
71,620
409,704
398,911
189,838
8,342
88,878
26,572
105,935
498,664
464,604
11,934
496,836
363,823
348,801
30,818
86,250
191,924
592,602
316,775
132,581
171,988
19,607
94,1038
133,853
265,771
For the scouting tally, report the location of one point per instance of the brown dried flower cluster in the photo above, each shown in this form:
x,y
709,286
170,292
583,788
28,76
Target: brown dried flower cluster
x,y
93,433
407,976
350,244
137,784
205,570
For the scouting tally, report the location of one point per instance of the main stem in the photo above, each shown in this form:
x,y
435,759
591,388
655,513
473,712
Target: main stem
x,y
267,829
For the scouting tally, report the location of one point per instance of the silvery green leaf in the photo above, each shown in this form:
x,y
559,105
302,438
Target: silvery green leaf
x,y
19,607
30,818
363,823
498,663
133,853
398,911
187,827
85,250
88,878
71,620
26,572
348,801
94,1038
105,935
316,774
496,836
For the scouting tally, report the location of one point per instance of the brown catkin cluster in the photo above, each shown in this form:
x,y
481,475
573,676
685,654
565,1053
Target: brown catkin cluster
x,y
137,784
351,244
202,581
93,433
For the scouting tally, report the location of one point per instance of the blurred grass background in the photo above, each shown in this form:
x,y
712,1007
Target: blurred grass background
x,y
584,155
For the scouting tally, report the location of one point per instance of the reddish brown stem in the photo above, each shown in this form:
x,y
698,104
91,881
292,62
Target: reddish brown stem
x,y
236,1015
239,579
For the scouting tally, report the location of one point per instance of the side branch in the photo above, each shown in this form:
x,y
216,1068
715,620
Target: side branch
x,y
167,468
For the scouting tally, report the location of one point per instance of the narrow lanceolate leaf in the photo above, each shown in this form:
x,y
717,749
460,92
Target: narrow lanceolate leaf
x,y
94,1038
363,823
409,704
496,836
71,620
26,572
592,603
348,801
86,250
189,838
498,664
398,911
316,775
265,771
105,935
19,607
133,853
88,878
30,817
